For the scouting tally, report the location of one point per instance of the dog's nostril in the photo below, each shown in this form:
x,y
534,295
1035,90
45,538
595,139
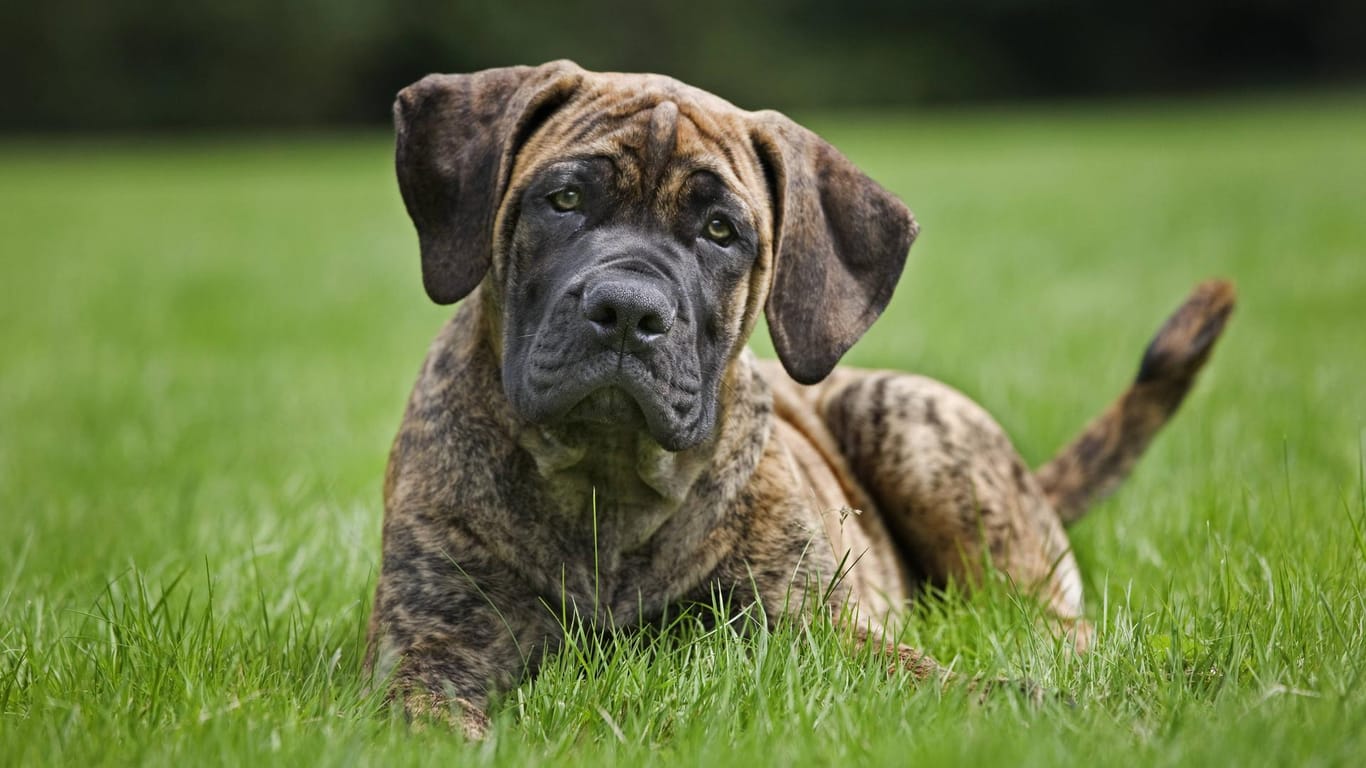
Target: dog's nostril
x,y
652,324
603,314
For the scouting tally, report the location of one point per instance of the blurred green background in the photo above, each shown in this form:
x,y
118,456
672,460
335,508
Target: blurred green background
x,y
135,64
211,315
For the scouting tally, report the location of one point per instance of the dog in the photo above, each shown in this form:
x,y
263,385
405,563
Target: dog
x,y
589,435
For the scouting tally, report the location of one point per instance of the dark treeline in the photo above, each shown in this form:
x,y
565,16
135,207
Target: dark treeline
x,y
152,64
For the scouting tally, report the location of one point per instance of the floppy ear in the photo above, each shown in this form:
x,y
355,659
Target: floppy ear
x,y
457,137
840,241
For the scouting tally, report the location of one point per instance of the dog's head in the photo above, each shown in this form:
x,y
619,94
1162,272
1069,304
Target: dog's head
x,y
629,229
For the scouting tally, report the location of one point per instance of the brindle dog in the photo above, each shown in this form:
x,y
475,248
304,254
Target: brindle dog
x,y
589,431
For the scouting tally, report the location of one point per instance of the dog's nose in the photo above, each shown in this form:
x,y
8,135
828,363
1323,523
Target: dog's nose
x,y
631,312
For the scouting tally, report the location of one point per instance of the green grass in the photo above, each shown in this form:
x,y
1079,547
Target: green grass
x,y
205,347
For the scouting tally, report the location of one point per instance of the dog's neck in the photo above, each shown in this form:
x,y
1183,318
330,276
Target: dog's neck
x,y
624,486
623,466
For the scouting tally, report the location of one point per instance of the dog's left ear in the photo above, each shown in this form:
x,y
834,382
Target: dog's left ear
x,y
839,240
457,137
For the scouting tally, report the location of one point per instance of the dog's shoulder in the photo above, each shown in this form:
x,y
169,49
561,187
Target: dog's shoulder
x,y
455,432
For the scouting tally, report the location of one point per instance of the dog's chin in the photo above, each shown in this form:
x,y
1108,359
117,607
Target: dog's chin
x,y
611,411
608,408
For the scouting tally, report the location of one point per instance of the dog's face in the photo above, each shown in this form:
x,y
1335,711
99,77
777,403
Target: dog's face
x,y
626,279
628,231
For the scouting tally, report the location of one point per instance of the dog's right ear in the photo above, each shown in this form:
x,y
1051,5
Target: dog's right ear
x,y
840,242
457,137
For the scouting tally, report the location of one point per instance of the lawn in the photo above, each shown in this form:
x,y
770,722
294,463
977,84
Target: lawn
x,y
205,347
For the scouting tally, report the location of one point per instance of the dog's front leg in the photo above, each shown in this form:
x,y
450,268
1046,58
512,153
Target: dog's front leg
x,y
445,673
444,636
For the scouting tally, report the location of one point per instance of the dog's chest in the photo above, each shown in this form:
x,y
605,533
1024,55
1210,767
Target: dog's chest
x,y
614,552
590,574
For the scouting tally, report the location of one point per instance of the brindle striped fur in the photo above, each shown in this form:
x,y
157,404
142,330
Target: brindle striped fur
x,y
857,486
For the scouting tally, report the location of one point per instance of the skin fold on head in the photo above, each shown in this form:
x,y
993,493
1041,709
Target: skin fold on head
x,y
639,239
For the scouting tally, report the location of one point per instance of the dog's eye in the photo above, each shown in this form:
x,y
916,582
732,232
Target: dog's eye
x,y
719,230
567,199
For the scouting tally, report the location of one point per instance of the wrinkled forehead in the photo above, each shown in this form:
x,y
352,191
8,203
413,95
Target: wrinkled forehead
x,y
653,127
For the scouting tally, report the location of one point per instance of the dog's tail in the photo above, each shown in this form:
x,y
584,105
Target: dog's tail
x,y
1095,463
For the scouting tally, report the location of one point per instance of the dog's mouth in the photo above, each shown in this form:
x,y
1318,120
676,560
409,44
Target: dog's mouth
x,y
608,407
616,391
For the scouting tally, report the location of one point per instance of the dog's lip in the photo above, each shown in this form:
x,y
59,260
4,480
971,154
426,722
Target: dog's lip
x,y
612,389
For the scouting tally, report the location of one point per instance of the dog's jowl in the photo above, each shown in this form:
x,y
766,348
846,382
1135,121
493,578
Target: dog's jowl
x,y
589,431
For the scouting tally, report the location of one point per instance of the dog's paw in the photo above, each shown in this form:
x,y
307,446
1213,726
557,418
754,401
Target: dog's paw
x,y
424,710
983,688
